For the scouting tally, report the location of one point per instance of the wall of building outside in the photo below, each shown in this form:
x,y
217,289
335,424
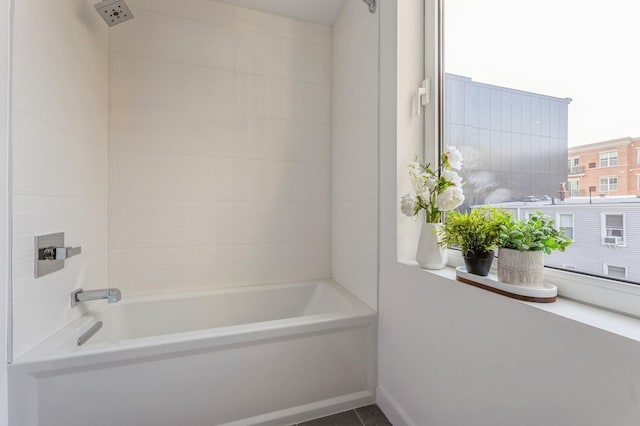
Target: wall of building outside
x,y
501,359
626,169
588,253
514,143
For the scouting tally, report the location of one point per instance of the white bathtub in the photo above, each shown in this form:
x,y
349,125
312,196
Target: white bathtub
x,y
264,355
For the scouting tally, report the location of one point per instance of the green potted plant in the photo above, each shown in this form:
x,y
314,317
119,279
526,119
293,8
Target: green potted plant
x,y
522,246
477,234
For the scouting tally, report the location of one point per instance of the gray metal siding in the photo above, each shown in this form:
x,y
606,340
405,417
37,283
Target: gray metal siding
x,y
514,142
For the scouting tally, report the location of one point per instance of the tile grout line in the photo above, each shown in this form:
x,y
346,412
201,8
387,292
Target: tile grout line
x,y
355,410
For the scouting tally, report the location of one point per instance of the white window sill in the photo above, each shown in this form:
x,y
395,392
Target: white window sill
x,y
602,319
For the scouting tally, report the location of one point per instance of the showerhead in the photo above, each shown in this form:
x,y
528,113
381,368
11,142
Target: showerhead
x,y
114,11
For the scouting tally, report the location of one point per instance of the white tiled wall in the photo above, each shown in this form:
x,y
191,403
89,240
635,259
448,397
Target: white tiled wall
x,y
355,151
60,151
220,148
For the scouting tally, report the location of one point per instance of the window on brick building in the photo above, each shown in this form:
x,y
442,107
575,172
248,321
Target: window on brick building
x,y
609,159
608,183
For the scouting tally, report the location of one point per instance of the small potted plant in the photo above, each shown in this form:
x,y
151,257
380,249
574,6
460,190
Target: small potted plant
x,y
477,234
522,246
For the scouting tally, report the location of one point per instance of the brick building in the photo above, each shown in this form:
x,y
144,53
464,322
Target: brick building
x,y
607,168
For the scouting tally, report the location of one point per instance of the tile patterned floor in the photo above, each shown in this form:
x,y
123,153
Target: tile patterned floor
x,y
370,415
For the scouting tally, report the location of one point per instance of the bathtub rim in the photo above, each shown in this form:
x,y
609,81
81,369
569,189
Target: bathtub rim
x,y
49,354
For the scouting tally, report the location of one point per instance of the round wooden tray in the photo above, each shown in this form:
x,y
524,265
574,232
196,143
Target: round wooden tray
x,y
546,294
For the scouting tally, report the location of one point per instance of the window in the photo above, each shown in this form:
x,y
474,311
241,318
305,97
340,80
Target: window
x,y
574,188
609,159
515,113
638,156
608,183
565,223
615,271
612,228
638,182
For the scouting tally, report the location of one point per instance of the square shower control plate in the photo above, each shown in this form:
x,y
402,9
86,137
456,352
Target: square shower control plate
x,y
114,11
44,267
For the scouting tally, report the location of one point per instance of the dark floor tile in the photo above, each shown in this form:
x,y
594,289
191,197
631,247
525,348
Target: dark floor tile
x,y
348,418
372,415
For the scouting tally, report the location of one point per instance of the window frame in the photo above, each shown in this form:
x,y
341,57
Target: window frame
x,y
603,227
608,154
603,292
608,177
573,224
638,180
606,266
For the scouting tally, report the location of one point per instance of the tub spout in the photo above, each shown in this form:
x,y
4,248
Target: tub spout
x,y
112,295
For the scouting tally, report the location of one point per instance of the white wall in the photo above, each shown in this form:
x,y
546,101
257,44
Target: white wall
x,y
355,151
59,136
220,148
4,203
451,354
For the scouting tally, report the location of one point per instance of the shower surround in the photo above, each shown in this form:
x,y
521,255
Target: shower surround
x,y
219,148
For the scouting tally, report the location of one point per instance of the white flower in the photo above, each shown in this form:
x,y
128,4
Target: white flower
x,y
417,176
450,198
454,157
452,176
408,205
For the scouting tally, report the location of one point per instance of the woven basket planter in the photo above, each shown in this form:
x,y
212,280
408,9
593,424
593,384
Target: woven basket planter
x,y
525,268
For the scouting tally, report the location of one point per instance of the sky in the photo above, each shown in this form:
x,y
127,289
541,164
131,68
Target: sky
x,y
586,50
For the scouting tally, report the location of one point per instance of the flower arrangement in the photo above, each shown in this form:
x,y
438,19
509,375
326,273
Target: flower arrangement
x,y
437,190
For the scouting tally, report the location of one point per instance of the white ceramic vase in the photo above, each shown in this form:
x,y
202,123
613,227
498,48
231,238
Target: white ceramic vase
x,y
430,255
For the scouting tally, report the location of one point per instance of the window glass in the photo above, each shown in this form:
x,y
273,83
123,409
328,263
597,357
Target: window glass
x,y
608,184
614,227
616,271
565,223
609,159
535,131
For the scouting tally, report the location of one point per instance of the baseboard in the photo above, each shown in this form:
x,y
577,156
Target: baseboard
x,y
311,411
391,409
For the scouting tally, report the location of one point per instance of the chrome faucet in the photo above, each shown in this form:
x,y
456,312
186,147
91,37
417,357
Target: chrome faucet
x,y
79,295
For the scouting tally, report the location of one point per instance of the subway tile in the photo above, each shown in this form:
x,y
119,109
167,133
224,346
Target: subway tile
x,y
161,83
276,139
304,61
257,53
277,263
166,176
259,180
171,269
49,161
203,10
165,130
174,38
273,222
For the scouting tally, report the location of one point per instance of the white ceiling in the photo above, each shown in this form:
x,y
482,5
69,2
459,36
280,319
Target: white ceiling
x,y
323,12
